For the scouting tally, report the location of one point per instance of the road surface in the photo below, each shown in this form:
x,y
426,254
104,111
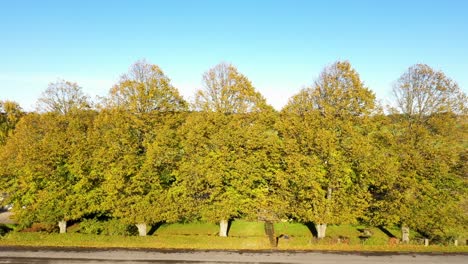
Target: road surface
x,y
143,256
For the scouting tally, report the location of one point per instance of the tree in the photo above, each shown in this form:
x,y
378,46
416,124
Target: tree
x,y
429,144
135,136
145,88
265,184
10,114
117,159
135,158
45,167
216,173
422,91
207,181
385,182
325,129
230,168
163,156
225,90
428,176
62,97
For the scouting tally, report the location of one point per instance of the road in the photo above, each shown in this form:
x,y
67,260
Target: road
x,y
140,256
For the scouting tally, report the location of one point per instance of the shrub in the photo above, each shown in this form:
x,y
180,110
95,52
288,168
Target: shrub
x,y
111,227
42,227
91,226
114,227
4,229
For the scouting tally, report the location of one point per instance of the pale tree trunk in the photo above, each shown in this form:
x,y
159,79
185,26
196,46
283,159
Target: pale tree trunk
x,y
321,229
223,228
426,242
62,226
141,229
455,243
405,234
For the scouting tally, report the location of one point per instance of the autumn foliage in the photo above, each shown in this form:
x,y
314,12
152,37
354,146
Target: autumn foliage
x,y
332,155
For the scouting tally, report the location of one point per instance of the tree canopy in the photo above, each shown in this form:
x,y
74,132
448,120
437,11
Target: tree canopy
x,y
325,134
62,97
330,156
422,91
225,90
145,88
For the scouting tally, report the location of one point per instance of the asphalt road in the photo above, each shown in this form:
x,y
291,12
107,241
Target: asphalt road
x,y
121,256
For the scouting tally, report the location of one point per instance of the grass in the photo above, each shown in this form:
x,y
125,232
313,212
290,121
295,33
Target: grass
x,y
241,228
194,228
163,242
243,235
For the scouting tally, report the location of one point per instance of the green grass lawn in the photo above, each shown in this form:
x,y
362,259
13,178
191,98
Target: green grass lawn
x,y
195,228
242,235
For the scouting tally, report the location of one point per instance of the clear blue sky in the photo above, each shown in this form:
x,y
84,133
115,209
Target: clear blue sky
x,y
281,46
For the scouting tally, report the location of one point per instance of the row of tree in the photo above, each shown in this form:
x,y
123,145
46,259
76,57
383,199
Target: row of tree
x,y
330,156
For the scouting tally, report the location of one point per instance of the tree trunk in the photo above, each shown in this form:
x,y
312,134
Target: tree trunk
x,y
223,228
426,242
455,243
405,234
62,226
329,193
321,229
141,229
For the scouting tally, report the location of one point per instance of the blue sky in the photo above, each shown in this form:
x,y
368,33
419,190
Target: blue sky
x,y
281,46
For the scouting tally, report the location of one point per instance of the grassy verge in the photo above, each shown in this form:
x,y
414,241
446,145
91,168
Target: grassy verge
x,y
243,236
163,242
202,242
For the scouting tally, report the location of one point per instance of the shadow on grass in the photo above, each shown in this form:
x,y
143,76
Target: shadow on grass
x,y
4,229
155,228
229,226
385,231
312,229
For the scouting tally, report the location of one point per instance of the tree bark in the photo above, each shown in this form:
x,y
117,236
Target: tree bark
x,y
405,234
329,193
223,228
62,226
321,230
141,229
